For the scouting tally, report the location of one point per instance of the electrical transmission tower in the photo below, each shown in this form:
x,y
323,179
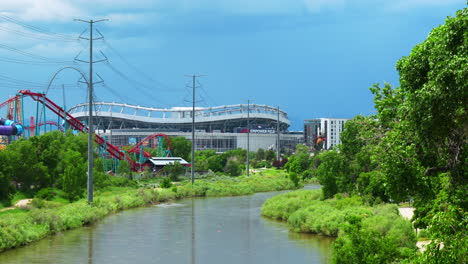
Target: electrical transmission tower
x,y
90,104
194,77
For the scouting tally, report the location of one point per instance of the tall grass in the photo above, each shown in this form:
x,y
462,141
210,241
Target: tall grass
x,y
347,218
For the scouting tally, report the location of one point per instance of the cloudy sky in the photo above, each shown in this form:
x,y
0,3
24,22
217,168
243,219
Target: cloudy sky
x,y
312,58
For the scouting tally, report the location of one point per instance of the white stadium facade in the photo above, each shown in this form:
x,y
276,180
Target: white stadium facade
x,y
220,128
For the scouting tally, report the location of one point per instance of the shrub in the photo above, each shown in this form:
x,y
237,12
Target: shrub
x,y
307,174
166,183
174,170
38,203
283,205
47,193
365,234
423,234
233,168
382,238
294,178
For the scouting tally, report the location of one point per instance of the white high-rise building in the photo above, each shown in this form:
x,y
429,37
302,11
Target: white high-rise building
x,y
327,130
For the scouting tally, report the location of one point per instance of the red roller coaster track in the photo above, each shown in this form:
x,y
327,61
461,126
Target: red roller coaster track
x,y
76,124
32,125
136,148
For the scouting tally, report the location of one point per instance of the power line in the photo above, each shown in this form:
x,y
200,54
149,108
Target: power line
x,y
33,63
28,54
115,93
135,84
13,81
207,95
136,69
29,86
40,36
36,28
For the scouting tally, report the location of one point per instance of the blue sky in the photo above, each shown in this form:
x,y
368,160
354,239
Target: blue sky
x,y
312,58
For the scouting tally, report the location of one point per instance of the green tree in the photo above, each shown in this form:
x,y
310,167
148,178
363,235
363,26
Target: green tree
x,y
5,186
298,163
360,138
270,155
5,179
260,154
301,148
362,244
123,168
233,168
25,167
239,154
424,150
217,163
100,178
294,178
332,173
74,176
174,170
50,151
201,159
181,147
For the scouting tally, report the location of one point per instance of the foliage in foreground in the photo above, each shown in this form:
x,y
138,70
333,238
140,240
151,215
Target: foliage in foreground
x,y
415,147
365,234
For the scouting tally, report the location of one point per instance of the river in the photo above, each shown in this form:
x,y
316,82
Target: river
x,y
209,230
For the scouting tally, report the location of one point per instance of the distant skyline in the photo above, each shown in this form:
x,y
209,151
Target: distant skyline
x,y
312,58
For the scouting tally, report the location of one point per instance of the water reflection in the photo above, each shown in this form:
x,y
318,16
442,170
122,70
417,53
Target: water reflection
x,y
90,247
212,230
192,259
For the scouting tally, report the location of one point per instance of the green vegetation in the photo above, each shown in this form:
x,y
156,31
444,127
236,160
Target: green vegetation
x,y
53,159
50,213
174,170
181,147
365,234
232,162
52,169
414,148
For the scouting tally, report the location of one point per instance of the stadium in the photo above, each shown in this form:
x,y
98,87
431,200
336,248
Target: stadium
x,y
220,128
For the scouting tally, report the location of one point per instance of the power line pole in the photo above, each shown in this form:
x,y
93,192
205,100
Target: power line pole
x,y
248,138
90,105
194,77
278,154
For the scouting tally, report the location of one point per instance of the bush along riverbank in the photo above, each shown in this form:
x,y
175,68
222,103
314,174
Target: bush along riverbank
x,y
42,218
365,234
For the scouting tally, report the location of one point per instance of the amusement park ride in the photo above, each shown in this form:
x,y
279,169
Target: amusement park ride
x,y
12,128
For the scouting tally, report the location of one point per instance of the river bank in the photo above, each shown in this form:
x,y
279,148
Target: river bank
x,y
23,226
206,230
378,233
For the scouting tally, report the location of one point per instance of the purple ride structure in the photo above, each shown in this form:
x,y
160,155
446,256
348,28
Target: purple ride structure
x,y
10,127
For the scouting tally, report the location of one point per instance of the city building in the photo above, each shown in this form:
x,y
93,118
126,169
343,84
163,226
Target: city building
x,y
220,128
323,133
